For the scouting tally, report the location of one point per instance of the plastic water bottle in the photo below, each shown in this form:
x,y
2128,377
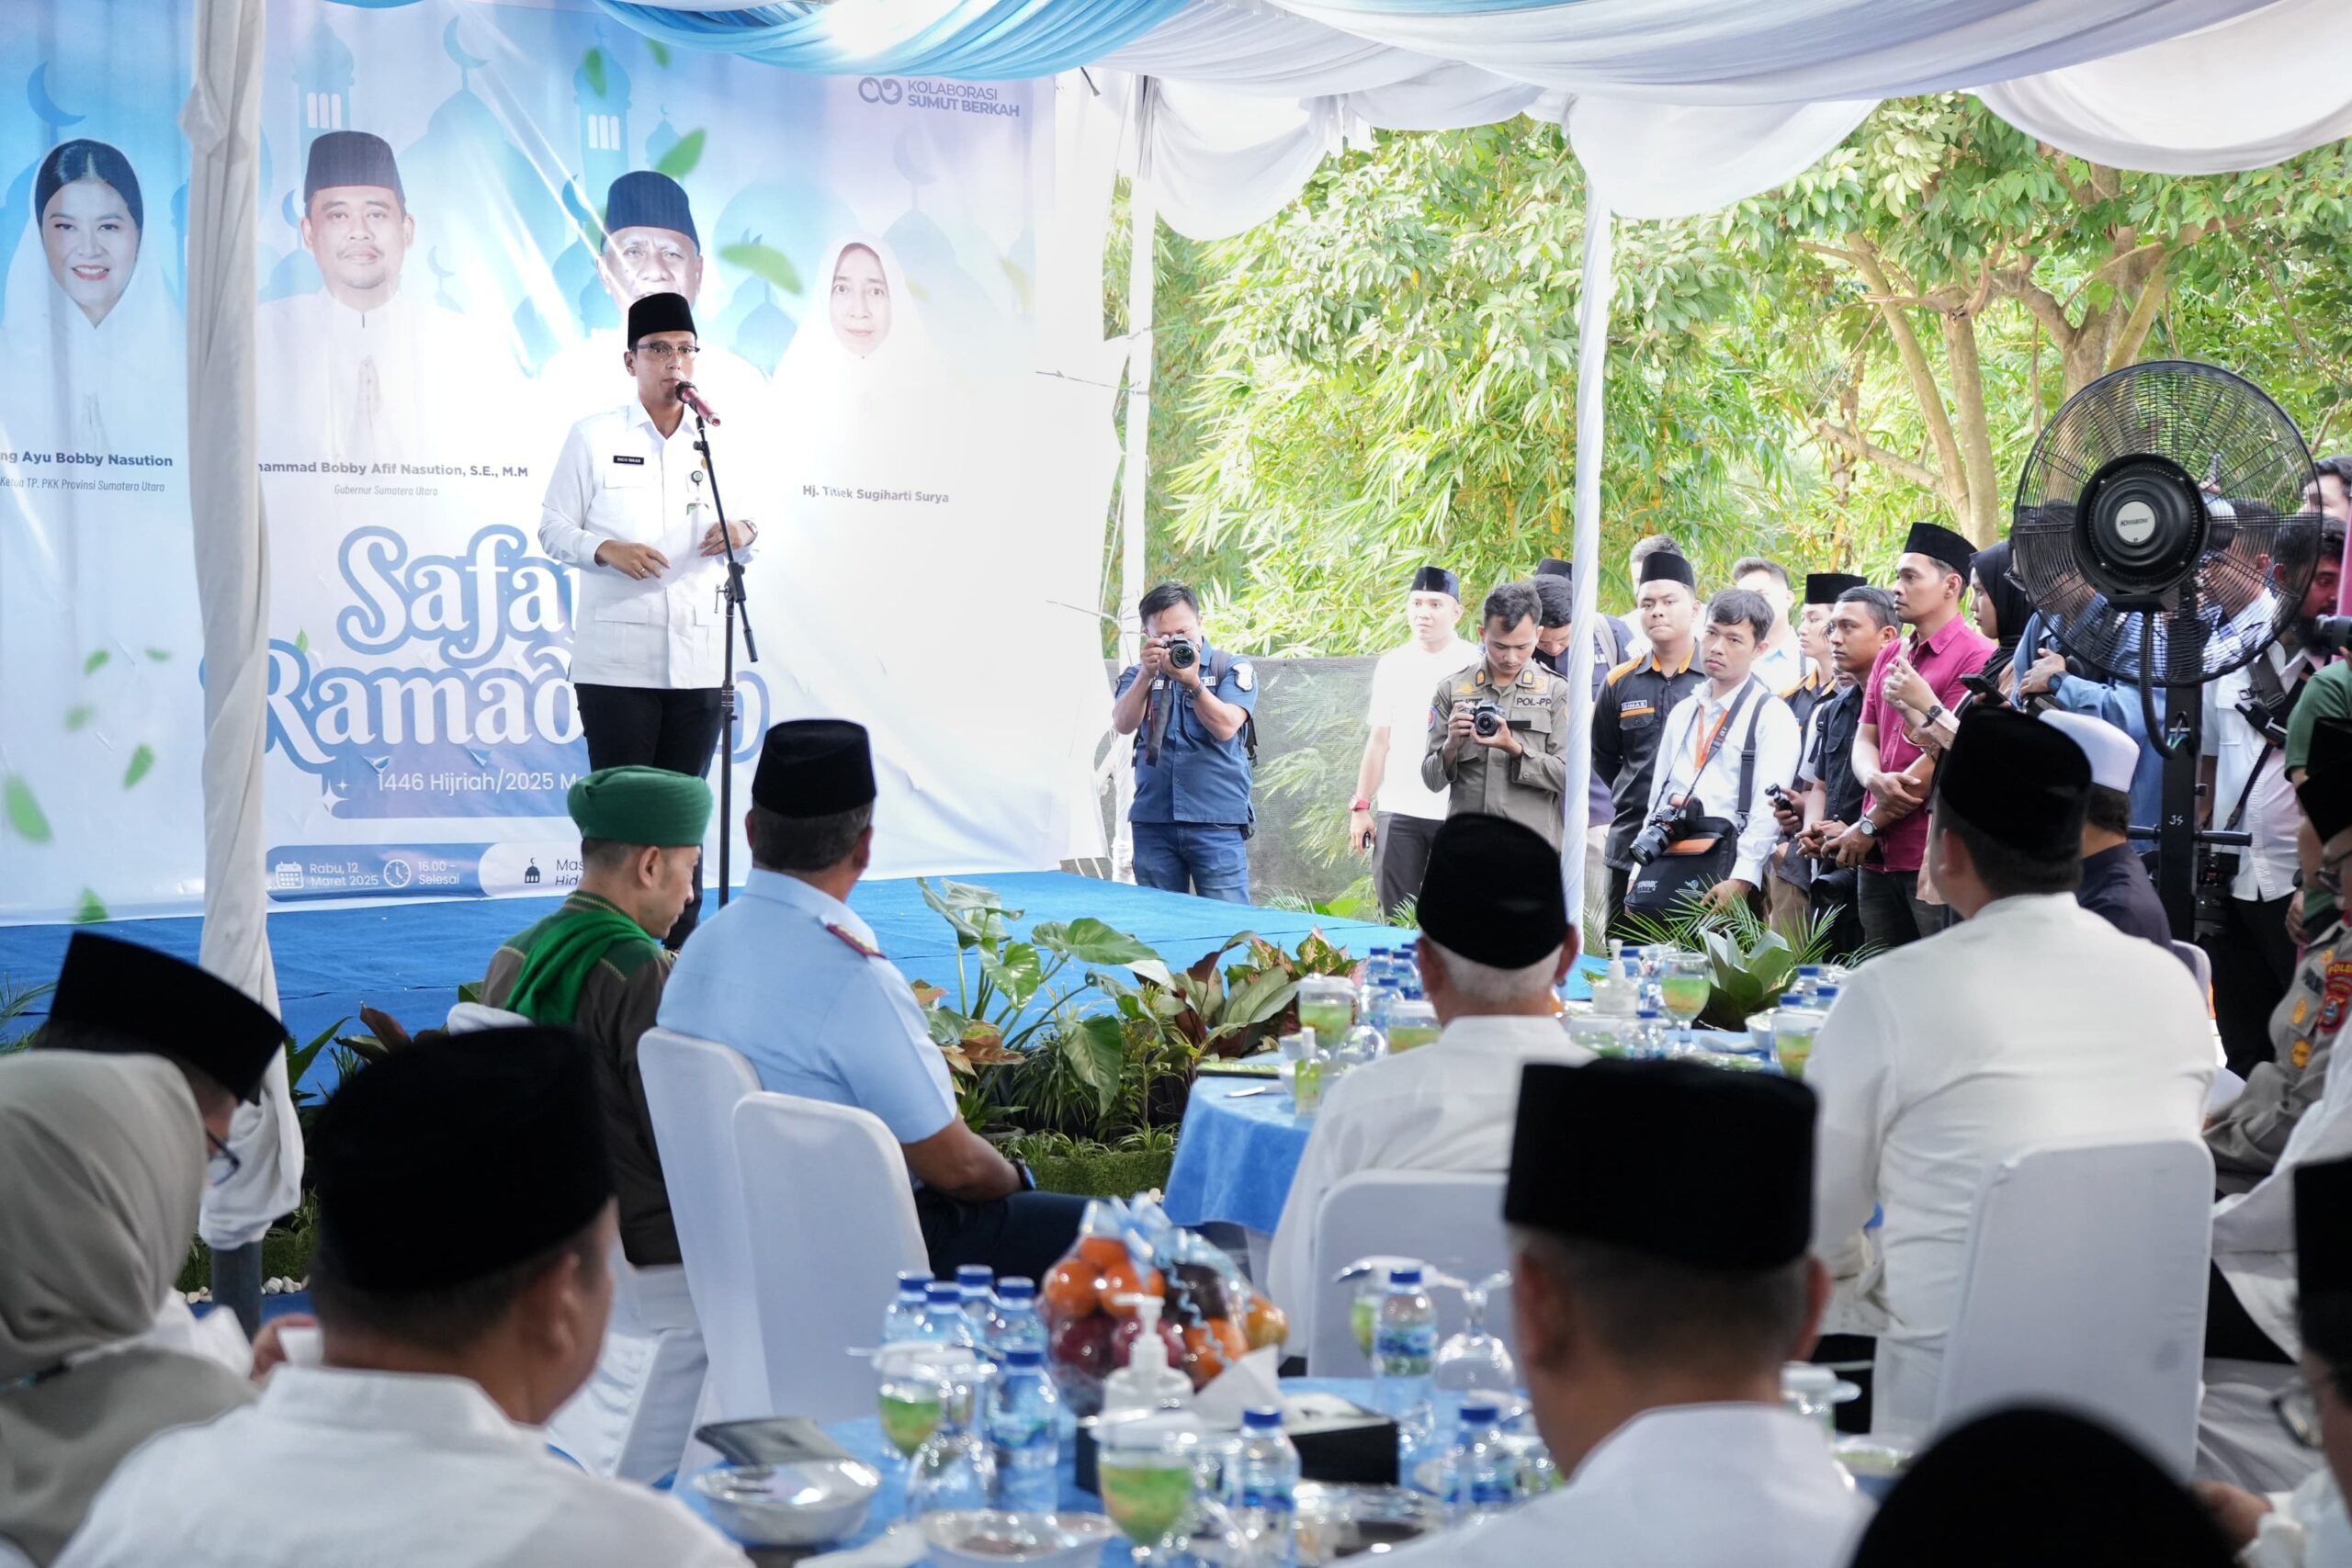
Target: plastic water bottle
x,y
1484,1482
975,1288
1018,1327
1403,1348
1262,1488
1409,966
1025,1431
904,1320
1380,988
1807,982
1649,1040
1412,1022
943,1322
1823,995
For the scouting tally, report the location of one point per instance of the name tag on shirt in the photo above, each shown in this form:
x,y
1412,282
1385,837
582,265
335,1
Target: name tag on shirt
x,y
625,458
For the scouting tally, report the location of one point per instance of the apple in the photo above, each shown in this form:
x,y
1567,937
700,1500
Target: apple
x,y
1083,1344
1123,1342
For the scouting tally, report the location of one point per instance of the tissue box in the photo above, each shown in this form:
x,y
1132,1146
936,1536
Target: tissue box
x,y
1339,1442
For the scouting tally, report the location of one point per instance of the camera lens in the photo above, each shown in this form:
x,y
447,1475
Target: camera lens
x,y
1181,655
1487,719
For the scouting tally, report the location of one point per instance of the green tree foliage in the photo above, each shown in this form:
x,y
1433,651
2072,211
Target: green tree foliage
x,y
1384,374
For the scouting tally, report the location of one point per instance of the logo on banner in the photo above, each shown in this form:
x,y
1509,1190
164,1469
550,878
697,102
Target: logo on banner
x,y
881,89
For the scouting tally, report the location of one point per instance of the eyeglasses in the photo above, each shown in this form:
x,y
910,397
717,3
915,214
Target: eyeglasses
x,y
221,1163
666,351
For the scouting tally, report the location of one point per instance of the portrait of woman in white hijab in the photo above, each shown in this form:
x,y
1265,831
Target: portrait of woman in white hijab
x,y
88,317
102,1159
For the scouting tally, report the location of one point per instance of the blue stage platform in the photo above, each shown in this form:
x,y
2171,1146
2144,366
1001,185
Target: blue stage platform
x,y
410,958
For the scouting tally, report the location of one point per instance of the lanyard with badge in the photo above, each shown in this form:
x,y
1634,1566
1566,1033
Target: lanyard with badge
x,y
1710,740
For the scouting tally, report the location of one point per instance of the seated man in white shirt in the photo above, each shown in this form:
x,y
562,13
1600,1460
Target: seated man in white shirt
x,y
2307,1528
1704,753
1495,940
447,1344
2032,1021
1661,1216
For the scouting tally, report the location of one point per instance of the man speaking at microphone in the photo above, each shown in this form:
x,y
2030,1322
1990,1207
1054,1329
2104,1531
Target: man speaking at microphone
x,y
630,505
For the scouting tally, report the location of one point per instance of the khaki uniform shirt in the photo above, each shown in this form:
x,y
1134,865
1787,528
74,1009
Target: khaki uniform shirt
x,y
2250,1133
1525,788
617,1003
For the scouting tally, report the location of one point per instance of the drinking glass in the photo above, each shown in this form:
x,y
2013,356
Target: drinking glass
x,y
1683,986
1327,1004
956,1467
1475,1361
1145,1473
914,1391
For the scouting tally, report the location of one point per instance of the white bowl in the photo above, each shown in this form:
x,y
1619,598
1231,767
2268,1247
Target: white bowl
x,y
987,1538
806,1504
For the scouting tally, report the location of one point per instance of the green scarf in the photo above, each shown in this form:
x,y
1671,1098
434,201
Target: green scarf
x,y
570,945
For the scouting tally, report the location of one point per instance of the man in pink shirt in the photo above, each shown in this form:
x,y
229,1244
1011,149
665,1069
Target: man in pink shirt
x,y
1940,647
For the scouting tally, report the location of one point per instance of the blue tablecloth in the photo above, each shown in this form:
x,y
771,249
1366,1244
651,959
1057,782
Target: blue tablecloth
x,y
1235,1158
863,1439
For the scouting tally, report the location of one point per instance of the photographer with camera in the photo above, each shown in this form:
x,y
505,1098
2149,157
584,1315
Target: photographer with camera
x,y
1189,708
1498,731
2244,893
1725,744
1629,715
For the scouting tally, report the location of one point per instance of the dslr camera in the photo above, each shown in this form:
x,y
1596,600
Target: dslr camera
x,y
1486,716
2217,868
1671,821
1181,654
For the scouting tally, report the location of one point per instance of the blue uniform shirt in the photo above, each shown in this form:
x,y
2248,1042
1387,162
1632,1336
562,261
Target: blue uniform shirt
x,y
791,978
1200,778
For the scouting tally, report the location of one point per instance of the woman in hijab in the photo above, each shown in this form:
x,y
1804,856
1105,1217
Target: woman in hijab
x,y
96,355
102,1162
2001,608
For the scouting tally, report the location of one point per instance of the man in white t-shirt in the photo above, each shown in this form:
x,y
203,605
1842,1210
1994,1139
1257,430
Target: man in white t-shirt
x,y
1394,815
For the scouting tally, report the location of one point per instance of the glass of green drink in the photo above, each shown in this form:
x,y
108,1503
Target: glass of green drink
x,y
1145,1474
1682,986
1327,1005
1793,1042
912,1389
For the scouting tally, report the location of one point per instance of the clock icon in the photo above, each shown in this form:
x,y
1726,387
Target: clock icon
x,y
397,872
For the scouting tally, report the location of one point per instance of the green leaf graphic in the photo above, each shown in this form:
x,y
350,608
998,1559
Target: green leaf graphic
x,y
764,262
591,66
659,50
93,909
141,761
79,716
25,813
95,663
160,655
302,642
680,160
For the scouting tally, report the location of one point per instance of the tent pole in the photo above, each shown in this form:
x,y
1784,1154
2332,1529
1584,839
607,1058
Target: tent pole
x,y
1143,220
1592,372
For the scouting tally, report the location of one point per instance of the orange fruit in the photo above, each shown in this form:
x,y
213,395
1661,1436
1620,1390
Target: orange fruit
x,y
1229,1337
1267,1326
1124,1278
1203,1355
1102,1250
1071,1291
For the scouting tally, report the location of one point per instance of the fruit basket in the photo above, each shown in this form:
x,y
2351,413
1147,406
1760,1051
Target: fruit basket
x,y
1211,1315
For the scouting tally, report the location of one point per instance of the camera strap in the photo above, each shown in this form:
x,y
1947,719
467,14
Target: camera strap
x,y
2274,701
1711,743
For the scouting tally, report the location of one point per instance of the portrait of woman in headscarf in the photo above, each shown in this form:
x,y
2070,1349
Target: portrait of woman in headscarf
x,y
89,321
102,1160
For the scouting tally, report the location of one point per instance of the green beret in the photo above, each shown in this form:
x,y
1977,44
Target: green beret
x,y
640,805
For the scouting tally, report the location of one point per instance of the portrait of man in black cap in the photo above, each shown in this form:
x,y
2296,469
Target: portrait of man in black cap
x,y
364,370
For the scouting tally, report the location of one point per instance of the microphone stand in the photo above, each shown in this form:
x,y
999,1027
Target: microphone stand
x,y
736,616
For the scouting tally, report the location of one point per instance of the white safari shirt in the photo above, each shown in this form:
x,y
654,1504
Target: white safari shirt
x,y
620,479
1679,1486
377,1470
2035,1023
1448,1106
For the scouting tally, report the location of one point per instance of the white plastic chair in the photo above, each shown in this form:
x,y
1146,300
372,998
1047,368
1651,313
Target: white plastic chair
x,y
691,1088
836,1224
1451,1221
2084,1286
2200,964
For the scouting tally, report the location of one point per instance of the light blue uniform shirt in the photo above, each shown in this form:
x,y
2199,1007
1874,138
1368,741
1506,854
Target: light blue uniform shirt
x,y
776,975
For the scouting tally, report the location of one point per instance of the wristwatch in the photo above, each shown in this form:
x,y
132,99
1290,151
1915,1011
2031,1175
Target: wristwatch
x,y
1866,828
1359,803
1028,1176
1935,711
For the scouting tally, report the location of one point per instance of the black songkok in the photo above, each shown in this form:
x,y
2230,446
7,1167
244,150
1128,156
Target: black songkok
x,y
1492,893
456,1157
134,999
814,767
1687,1163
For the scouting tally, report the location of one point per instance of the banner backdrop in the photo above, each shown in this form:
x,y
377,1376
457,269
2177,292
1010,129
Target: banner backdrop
x,y
441,299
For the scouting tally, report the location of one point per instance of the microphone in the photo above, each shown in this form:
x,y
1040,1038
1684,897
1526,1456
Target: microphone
x,y
693,400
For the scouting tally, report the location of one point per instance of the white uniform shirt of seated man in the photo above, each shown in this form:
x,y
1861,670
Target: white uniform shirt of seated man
x,y
1445,1107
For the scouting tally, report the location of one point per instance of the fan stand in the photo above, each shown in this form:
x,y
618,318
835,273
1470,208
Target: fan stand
x,y
2179,738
